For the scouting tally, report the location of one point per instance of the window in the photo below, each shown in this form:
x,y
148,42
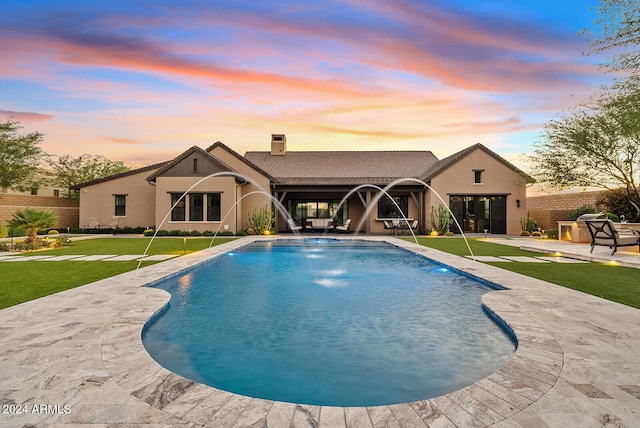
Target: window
x,y
477,176
56,193
121,205
388,207
195,165
196,207
213,207
178,212
34,191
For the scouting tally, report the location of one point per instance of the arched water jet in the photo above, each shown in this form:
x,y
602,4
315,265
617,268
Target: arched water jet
x,y
203,179
277,203
362,186
384,192
415,180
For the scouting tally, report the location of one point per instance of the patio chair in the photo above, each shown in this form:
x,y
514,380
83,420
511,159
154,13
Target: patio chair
x,y
603,232
94,225
292,225
344,227
389,226
113,225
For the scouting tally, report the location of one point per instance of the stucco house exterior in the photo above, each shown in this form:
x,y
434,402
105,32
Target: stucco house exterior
x,y
484,191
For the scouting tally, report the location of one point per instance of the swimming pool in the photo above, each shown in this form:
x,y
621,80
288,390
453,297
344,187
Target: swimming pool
x,y
327,322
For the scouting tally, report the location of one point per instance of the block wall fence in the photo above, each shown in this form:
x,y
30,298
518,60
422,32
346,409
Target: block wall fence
x,y
67,210
548,210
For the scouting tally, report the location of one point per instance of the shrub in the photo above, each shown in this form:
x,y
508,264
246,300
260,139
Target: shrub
x,y
62,241
536,233
53,232
225,233
175,232
241,233
148,232
449,233
261,221
442,223
75,230
528,224
585,209
617,201
4,231
5,247
184,233
163,232
613,217
196,233
552,233
525,233
207,233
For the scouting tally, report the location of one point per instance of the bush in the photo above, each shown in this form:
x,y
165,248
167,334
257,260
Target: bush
x,y
175,232
552,233
261,221
208,233
5,247
613,217
617,201
241,233
525,233
536,233
148,232
528,224
225,233
196,233
75,230
63,241
162,232
4,231
585,209
53,232
440,220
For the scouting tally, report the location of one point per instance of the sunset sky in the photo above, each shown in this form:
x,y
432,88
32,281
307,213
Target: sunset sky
x,y
142,81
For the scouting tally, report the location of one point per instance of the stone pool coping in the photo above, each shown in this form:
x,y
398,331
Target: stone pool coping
x,y
77,358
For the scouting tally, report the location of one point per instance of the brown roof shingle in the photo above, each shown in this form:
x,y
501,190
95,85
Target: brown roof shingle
x,y
343,167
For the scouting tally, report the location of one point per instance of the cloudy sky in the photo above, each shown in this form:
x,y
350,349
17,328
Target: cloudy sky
x,y
142,81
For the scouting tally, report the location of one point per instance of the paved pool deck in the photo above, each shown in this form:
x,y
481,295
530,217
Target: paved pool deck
x,y
76,359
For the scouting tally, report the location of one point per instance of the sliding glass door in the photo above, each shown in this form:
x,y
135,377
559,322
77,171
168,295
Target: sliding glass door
x,y
477,213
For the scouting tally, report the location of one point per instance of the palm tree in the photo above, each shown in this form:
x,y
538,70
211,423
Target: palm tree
x,y
32,220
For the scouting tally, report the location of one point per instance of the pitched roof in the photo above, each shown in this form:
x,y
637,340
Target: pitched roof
x,y
343,167
445,163
239,157
184,155
120,175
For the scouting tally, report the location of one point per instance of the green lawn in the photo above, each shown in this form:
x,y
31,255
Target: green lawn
x,y
616,283
24,281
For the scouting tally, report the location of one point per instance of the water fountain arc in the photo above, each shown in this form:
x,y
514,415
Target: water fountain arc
x,y
193,186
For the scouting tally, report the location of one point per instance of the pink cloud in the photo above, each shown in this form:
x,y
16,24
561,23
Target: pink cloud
x,y
21,116
129,141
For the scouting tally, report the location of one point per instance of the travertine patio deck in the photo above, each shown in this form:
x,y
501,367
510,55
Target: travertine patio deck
x,y
77,358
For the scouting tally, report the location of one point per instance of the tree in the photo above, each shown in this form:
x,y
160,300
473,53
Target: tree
x,y
70,171
593,146
32,220
619,32
19,155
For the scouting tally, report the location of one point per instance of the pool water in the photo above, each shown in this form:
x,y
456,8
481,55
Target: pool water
x,y
327,322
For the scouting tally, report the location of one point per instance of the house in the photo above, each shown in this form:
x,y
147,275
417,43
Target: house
x,y
219,188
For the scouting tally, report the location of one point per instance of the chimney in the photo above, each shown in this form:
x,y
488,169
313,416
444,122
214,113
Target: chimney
x,y
278,144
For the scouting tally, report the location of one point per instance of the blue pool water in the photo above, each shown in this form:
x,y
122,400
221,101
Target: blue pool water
x,y
327,322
